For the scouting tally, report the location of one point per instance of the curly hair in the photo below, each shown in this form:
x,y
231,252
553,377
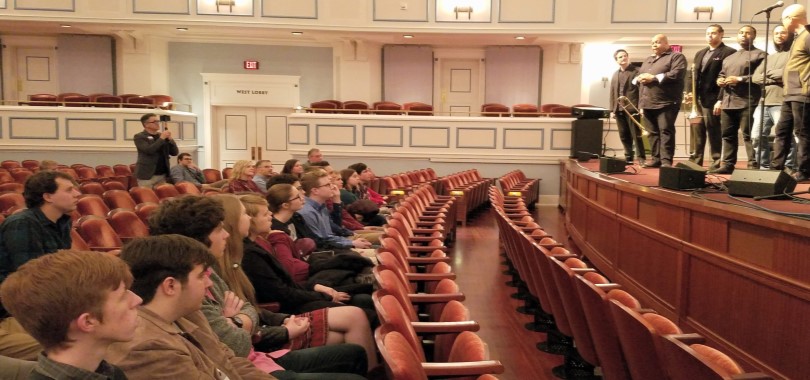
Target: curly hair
x,y
41,183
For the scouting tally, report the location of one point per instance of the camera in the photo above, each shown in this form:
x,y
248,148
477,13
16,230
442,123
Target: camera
x,y
165,118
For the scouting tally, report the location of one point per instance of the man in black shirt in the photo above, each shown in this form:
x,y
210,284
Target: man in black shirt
x,y
620,86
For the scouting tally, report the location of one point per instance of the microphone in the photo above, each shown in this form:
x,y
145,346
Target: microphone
x,y
778,4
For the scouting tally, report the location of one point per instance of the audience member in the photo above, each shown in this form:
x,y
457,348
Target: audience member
x,y
154,148
319,188
48,165
173,339
283,178
313,156
350,222
229,309
285,216
186,171
294,167
42,228
242,179
264,170
75,304
366,176
351,186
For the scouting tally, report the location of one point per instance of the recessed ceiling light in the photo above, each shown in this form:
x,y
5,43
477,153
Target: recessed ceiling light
x,y
183,29
407,36
66,26
520,38
297,33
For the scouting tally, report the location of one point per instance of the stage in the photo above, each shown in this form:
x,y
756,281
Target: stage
x,y
738,276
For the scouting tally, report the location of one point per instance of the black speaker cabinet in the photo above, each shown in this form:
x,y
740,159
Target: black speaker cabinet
x,y
586,136
678,178
611,165
755,183
690,166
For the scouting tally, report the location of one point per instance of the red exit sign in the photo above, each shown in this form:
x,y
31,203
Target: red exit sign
x,y
251,65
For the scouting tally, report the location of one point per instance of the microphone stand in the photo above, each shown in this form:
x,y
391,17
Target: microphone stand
x,y
762,136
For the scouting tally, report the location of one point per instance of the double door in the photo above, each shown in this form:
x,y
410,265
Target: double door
x,y
246,133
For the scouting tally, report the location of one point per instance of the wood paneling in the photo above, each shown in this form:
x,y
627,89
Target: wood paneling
x,y
740,278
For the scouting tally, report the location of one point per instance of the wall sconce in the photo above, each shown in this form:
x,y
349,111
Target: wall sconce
x,y
704,9
229,3
468,9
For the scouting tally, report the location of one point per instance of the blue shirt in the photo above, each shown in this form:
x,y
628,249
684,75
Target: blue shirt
x,y
317,218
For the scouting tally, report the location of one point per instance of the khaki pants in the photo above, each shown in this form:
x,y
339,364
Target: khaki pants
x,y
371,235
15,342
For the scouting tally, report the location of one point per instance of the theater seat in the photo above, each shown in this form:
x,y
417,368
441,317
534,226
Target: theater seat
x,y
94,188
418,109
685,358
76,101
166,191
12,187
41,100
387,108
144,210
323,107
127,224
187,188
355,107
91,204
525,110
143,195
98,233
139,102
10,202
212,175
495,110
160,100
107,101
119,199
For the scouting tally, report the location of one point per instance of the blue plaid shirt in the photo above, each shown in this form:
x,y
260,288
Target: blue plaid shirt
x,y
317,218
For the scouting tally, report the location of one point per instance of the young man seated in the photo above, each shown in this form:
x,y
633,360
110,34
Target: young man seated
x,y
75,304
173,339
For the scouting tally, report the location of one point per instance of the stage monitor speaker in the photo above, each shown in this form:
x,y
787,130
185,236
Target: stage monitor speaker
x,y
586,136
678,178
689,165
590,113
611,165
755,183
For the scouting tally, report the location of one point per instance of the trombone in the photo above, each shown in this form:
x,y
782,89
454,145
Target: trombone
x,y
630,109
694,116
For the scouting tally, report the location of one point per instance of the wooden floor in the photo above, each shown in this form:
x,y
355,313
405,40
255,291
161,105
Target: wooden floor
x,y
478,264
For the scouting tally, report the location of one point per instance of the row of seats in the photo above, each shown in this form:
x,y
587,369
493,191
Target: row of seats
x,y
470,189
592,321
73,99
380,108
394,184
528,110
418,300
515,183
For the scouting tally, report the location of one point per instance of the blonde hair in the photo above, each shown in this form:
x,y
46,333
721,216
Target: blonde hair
x,y
239,168
253,205
231,260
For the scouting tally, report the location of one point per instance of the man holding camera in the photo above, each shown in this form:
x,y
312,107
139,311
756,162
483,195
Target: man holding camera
x,y
154,148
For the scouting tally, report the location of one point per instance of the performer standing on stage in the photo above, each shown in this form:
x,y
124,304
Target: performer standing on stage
x,y
661,92
620,85
739,98
774,97
708,62
795,113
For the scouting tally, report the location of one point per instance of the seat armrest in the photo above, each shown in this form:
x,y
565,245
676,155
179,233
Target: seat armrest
x,y
445,327
435,298
462,368
427,260
429,276
689,338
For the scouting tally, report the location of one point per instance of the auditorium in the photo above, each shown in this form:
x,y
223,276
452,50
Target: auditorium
x,y
538,189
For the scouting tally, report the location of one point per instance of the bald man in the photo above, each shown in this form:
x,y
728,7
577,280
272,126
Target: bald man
x,y
660,94
795,113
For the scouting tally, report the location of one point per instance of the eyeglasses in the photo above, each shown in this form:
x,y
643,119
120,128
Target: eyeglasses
x,y
153,122
299,196
324,185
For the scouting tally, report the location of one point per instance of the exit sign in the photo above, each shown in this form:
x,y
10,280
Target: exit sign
x,y
251,65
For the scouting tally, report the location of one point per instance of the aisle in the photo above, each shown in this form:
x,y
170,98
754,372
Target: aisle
x,y
477,262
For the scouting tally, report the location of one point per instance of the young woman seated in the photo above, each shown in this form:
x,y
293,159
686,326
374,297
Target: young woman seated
x,y
242,180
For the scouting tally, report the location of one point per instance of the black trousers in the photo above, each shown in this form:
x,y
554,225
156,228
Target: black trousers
x,y
629,134
708,127
734,121
794,117
334,362
661,122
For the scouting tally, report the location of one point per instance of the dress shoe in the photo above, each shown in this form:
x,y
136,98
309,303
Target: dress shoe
x,y
753,165
726,169
665,165
801,177
654,164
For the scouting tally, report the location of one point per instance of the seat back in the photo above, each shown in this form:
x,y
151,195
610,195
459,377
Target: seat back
x,y
21,175
401,362
12,187
76,101
122,169
387,108
91,204
166,191
92,188
226,173
105,171
143,195
563,273
32,165
159,100
10,202
144,210
495,110
98,233
127,224
108,101
355,106
42,100
323,107
212,175
392,314
605,340
119,199
139,102
187,188
525,110
637,335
